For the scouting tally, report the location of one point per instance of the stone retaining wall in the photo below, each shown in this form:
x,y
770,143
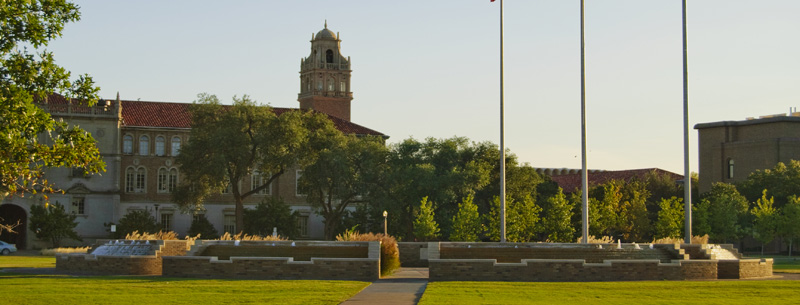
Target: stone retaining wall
x,y
265,267
151,264
413,254
745,268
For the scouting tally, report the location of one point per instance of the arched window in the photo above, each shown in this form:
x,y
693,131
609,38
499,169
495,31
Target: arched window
x,y
176,146
329,56
319,84
343,87
141,179
173,179
160,145
730,168
331,84
127,144
162,180
130,178
144,145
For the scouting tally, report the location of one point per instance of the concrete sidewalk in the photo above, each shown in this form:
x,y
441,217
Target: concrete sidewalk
x,y
403,287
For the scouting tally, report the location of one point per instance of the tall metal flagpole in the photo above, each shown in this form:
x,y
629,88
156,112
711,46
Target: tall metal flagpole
x,y
584,174
502,139
687,175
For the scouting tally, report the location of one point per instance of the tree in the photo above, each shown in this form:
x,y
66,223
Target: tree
x,y
556,221
781,181
522,220
53,222
203,227
789,224
765,224
31,140
670,218
228,143
268,214
341,171
634,222
8,227
425,226
726,213
136,220
467,222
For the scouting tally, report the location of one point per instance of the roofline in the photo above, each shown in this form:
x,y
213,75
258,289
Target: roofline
x,y
777,119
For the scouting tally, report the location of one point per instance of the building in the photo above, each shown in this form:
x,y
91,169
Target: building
x,y
571,180
139,142
730,150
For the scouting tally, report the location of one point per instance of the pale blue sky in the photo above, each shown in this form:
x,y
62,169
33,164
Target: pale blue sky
x,y
431,68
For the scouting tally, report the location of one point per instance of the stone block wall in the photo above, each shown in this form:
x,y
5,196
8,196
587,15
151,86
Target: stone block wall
x,y
150,264
745,268
255,261
413,254
534,270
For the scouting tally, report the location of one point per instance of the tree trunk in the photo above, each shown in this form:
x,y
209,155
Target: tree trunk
x,y
791,244
239,215
330,225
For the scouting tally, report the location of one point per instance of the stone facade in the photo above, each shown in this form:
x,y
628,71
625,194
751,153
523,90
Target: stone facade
x,y
730,150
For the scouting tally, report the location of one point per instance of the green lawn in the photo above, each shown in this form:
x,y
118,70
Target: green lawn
x,y
60,289
8,261
667,292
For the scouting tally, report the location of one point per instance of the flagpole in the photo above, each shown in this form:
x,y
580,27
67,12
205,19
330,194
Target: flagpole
x,y
584,174
687,175
502,138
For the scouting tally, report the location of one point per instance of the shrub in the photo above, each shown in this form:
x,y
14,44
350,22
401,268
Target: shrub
x,y
271,213
201,226
136,220
53,223
390,254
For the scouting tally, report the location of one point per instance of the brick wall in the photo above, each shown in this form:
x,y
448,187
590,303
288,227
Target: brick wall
x,y
121,265
745,268
413,254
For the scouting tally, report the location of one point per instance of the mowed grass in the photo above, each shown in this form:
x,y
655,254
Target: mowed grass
x,y
667,292
49,289
62,289
9,261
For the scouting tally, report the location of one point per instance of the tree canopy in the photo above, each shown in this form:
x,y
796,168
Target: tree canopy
x,y
31,140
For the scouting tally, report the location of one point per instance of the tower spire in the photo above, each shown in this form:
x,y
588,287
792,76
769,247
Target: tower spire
x,y
326,23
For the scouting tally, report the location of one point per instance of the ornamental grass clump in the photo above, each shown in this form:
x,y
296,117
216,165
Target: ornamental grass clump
x,y
390,254
697,240
242,236
161,235
54,251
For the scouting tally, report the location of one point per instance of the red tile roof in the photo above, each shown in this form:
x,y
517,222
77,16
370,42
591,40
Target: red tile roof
x,y
572,183
176,115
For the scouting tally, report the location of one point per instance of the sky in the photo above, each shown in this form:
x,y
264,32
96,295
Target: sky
x,y
432,68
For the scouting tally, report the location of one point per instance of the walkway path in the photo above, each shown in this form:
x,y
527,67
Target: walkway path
x,y
403,287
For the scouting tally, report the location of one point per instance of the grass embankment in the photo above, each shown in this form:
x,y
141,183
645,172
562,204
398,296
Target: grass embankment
x,y
59,289
667,292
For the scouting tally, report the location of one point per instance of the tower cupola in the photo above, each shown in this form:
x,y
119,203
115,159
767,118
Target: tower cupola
x,y
325,76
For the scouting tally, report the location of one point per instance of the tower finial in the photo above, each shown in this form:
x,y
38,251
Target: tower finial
x,y
326,23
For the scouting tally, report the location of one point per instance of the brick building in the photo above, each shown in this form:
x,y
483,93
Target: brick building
x,y
139,140
730,150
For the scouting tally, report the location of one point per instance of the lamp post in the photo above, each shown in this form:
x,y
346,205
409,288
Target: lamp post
x,y
384,222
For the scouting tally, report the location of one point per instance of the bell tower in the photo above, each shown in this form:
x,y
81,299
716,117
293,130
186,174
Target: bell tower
x,y
325,76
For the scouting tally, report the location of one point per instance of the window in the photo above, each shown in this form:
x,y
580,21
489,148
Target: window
x,y
297,190
166,222
258,179
331,84
140,180
160,143
173,179
162,180
144,145
730,168
176,145
127,144
319,85
343,87
329,56
130,178
78,205
79,172
302,225
229,224
227,189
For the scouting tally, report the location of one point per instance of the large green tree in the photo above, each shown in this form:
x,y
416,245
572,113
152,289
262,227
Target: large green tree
x,y
31,140
556,220
228,143
466,222
53,223
722,213
789,223
340,171
781,181
670,218
765,222
425,226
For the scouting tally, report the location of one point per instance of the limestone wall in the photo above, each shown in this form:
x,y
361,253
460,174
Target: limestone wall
x,y
413,254
745,268
150,264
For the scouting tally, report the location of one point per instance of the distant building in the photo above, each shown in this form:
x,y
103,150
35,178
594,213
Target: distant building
x,y
571,181
730,150
139,142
